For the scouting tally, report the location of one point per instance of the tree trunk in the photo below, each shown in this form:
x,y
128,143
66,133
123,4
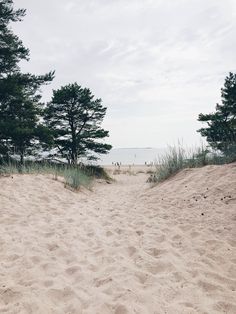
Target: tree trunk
x,y
74,159
22,158
73,145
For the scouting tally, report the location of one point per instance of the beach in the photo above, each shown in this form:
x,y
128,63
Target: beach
x,y
122,246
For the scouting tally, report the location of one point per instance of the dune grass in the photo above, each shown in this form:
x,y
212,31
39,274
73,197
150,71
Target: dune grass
x,y
178,158
73,176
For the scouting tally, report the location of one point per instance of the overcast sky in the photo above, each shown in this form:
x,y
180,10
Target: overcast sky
x,y
156,64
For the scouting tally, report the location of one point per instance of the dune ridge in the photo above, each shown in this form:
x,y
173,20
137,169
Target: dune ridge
x,y
121,248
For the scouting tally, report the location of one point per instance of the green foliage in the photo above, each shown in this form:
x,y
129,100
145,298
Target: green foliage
x,y
21,132
221,130
11,47
75,118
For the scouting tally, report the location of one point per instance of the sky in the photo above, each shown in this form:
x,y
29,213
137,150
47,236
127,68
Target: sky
x,y
156,64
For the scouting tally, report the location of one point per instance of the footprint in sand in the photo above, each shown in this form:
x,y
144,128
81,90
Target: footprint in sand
x,y
142,277
223,307
48,283
194,234
53,247
49,269
209,287
118,230
229,283
73,270
27,283
13,257
109,233
177,237
49,234
61,295
160,238
35,259
186,227
9,295
99,252
121,309
100,282
156,252
131,250
139,232
232,243
70,220
200,251
90,234
159,267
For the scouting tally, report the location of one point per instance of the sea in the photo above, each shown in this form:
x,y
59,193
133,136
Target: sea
x,y
131,156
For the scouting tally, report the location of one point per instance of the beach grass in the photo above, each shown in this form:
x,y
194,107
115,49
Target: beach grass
x,y
178,158
73,176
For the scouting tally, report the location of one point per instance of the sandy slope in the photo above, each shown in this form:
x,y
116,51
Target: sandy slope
x,y
122,248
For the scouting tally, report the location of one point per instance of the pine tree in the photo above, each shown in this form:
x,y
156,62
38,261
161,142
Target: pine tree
x,y
11,47
75,118
221,130
21,132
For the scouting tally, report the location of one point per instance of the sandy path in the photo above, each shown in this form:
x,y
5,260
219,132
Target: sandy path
x,y
122,248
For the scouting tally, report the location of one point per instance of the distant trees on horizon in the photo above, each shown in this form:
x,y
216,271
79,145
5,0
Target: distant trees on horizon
x,y
70,124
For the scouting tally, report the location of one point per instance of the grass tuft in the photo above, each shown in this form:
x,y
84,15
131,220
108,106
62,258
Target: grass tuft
x,y
75,178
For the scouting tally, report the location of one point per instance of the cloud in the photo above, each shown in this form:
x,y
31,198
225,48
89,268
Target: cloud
x,y
147,59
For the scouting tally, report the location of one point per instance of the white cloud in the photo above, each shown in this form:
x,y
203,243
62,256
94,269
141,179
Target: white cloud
x,y
151,61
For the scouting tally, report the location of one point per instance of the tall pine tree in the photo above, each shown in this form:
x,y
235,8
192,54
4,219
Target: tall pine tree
x,y
21,132
75,118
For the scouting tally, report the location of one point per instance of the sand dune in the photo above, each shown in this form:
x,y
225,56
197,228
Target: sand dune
x,y
121,248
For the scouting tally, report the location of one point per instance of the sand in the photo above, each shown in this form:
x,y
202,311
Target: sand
x,y
120,248
130,169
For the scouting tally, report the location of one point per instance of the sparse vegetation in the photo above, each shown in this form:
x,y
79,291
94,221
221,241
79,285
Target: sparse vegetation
x,y
178,158
73,176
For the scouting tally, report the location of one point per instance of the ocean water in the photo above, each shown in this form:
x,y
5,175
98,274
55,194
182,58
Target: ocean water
x,y
131,156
